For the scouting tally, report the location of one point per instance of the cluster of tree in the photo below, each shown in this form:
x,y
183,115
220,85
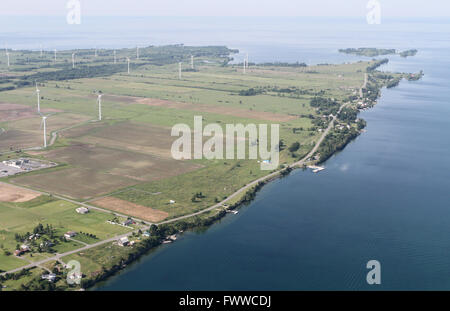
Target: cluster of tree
x,y
291,91
251,92
369,52
377,64
325,105
361,124
348,115
320,122
336,141
407,53
372,90
394,82
90,235
286,171
189,70
294,147
39,229
15,276
281,145
415,77
197,196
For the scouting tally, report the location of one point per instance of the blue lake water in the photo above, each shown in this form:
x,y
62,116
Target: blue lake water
x,y
385,197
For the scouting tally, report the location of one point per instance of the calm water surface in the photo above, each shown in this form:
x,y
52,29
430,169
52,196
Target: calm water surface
x,y
385,197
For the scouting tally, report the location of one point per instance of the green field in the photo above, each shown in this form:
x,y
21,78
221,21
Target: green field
x,y
23,217
130,148
124,163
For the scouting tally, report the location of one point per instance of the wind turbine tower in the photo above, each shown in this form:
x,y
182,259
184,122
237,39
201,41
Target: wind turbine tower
x,y
38,93
137,52
179,70
55,55
128,60
44,122
41,50
7,56
192,61
99,99
73,60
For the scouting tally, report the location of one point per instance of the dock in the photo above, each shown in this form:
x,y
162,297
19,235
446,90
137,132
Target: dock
x,y
316,169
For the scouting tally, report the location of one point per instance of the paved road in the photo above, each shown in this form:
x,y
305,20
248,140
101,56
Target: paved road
x,y
218,205
303,161
58,257
267,177
363,86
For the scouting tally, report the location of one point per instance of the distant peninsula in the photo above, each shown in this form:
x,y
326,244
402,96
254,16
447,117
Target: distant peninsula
x,y
372,52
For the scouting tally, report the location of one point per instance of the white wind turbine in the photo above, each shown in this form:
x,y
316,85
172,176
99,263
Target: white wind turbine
x,y
7,56
128,61
179,70
99,101
38,93
114,56
137,52
44,125
55,55
192,61
73,60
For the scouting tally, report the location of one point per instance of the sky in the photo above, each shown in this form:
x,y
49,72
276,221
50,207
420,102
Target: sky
x,y
326,8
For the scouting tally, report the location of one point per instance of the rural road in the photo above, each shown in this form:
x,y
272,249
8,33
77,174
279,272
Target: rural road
x,y
267,177
218,205
366,77
58,257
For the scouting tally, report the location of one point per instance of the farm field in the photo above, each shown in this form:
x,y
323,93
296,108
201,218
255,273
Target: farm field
x,y
120,162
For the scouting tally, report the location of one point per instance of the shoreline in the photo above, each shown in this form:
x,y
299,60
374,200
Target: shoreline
x,y
253,188
252,191
244,196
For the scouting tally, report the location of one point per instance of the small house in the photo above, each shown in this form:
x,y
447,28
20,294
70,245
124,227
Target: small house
x,y
128,222
18,252
51,277
82,210
25,248
70,234
123,241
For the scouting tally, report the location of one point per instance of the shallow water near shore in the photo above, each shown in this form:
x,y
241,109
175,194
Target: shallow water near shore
x,y
384,197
